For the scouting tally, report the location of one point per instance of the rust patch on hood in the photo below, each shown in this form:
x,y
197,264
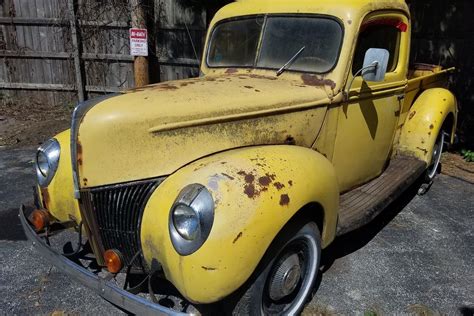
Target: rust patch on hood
x,y
208,268
187,83
312,80
165,86
231,71
255,76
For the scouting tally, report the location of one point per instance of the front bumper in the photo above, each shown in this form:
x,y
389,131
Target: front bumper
x,y
106,289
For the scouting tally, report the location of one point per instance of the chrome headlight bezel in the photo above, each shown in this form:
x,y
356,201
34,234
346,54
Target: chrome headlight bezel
x,y
197,198
50,151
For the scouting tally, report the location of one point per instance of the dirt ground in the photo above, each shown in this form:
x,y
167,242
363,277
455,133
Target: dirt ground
x,y
455,166
30,125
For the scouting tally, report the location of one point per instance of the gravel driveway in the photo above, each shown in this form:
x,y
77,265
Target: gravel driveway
x,y
417,258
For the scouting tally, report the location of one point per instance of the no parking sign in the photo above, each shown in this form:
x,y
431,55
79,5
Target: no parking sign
x,y
138,42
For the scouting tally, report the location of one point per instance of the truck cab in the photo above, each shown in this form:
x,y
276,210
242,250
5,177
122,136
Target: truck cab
x,y
306,122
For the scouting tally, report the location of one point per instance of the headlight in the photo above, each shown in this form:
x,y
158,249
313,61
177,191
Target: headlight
x,y
191,219
47,160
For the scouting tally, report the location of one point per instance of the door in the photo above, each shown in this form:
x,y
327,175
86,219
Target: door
x,y
368,120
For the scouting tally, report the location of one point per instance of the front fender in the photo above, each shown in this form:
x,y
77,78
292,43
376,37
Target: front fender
x,y
425,120
58,197
256,192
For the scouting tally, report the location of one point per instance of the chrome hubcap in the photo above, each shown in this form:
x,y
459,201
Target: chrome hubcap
x,y
435,159
285,279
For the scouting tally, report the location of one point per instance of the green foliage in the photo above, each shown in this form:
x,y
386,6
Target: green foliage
x,y
468,155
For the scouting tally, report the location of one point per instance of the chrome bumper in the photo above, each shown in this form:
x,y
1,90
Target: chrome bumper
x,y
109,291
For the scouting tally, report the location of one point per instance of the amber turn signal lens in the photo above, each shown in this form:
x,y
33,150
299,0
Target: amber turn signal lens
x,y
113,260
39,219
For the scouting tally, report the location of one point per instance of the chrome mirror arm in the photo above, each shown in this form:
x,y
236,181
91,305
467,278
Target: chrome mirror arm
x,y
374,65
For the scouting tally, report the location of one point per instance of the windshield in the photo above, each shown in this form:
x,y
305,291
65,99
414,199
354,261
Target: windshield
x,y
271,41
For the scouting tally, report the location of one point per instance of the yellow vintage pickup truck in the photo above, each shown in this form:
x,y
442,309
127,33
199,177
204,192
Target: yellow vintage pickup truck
x,y
307,121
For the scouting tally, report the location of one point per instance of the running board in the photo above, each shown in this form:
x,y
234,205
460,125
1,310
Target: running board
x,y
361,205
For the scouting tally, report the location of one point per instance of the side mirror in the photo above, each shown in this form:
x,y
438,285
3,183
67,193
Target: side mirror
x,y
375,64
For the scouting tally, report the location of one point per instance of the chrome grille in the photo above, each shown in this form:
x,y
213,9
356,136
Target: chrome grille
x,y
117,211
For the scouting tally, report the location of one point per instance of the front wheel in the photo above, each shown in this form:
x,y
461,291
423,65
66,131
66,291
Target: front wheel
x,y
284,282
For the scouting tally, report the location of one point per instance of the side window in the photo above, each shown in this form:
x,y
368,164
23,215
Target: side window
x,y
378,34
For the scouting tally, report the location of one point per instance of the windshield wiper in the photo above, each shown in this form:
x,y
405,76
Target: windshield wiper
x,y
291,61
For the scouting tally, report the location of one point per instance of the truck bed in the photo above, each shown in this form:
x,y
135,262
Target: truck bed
x,y
422,77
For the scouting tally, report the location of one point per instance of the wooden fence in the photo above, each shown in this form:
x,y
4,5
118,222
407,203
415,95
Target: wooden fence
x,y
58,51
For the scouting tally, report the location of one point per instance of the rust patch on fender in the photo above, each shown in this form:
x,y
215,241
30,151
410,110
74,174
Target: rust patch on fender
x,y
431,126
284,199
79,153
290,140
265,181
290,183
252,188
311,80
248,87
249,178
278,185
45,195
227,176
423,150
208,268
249,190
237,238
412,114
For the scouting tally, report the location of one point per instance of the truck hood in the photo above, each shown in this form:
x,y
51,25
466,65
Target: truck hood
x,y
153,131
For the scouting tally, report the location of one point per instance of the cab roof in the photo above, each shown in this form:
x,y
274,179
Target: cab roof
x,y
344,9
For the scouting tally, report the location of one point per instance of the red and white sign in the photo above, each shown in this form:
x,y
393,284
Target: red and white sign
x,y
138,42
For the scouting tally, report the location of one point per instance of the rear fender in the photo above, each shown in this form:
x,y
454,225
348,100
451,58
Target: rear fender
x,y
256,192
425,120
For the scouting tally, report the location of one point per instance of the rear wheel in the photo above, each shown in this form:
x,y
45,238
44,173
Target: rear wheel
x,y
284,284
434,166
436,158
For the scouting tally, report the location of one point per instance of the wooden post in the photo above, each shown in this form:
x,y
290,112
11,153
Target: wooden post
x,y
76,51
140,65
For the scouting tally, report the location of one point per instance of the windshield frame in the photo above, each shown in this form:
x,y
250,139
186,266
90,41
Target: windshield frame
x,y
259,45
